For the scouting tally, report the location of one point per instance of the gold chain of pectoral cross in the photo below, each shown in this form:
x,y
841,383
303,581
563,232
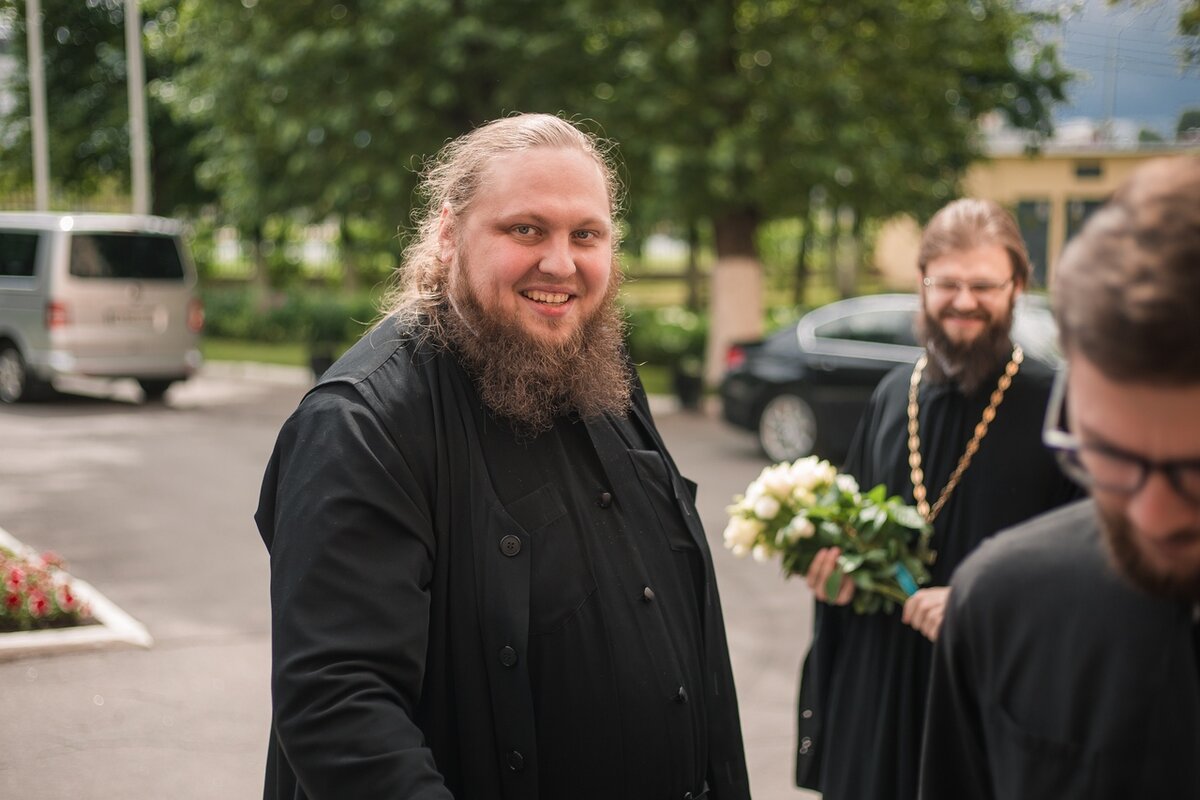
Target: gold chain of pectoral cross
x,y
981,429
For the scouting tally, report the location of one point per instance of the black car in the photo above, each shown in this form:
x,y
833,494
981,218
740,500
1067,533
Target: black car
x,y
803,389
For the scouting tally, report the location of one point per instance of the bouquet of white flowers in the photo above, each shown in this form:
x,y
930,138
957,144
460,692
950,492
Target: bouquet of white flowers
x,y
793,510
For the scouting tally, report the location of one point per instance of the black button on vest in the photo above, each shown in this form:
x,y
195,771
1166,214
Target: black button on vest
x,y
508,656
510,545
516,761
604,500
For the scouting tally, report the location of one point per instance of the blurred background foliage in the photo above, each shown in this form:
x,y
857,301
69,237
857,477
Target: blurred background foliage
x,y
774,129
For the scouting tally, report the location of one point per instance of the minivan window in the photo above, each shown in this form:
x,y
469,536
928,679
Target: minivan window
x,y
17,253
141,256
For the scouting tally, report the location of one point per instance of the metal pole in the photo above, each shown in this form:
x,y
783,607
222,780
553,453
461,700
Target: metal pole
x,y
135,68
37,105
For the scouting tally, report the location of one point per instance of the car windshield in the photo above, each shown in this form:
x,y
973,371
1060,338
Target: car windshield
x,y
141,256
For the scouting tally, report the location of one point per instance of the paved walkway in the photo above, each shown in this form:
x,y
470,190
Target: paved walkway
x,y
152,506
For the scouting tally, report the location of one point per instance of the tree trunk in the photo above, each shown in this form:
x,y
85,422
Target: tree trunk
x,y
350,277
693,266
832,243
736,289
735,234
849,228
261,276
800,276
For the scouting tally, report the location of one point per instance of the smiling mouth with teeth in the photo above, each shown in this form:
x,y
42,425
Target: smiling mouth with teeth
x,y
549,298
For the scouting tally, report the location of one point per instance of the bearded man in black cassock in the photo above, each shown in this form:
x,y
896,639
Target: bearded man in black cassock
x,y
488,578
958,435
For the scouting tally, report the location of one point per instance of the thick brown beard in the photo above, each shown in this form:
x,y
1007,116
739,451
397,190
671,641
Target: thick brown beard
x,y
531,382
967,365
1129,561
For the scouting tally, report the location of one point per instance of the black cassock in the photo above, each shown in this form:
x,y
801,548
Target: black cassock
x,y
1054,677
459,611
865,680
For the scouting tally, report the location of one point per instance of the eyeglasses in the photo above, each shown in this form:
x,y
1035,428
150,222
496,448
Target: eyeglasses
x,y
1111,469
952,286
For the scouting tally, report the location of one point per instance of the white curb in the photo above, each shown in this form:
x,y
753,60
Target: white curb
x,y
115,627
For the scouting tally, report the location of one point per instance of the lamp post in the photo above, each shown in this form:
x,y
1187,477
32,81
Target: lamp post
x,y
135,68
37,105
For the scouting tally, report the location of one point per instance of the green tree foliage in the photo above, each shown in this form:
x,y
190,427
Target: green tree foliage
x,y
88,106
1189,26
1188,126
731,112
325,107
752,104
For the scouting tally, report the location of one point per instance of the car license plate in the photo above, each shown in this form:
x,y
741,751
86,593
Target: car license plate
x,y
136,315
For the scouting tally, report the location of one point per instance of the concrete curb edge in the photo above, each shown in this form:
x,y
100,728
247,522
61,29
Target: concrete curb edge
x,y
116,627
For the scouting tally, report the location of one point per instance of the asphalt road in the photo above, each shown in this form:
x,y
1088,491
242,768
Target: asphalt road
x,y
152,505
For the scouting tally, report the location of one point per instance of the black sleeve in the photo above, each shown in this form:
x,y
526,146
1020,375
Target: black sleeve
x,y
954,764
352,547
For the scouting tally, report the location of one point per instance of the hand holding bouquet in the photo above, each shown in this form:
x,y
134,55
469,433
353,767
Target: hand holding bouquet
x,y
794,510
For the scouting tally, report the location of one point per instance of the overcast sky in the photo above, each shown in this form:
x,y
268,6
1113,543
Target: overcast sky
x,y
1127,57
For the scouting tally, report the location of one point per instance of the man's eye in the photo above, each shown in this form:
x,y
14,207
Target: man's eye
x,y
585,235
524,230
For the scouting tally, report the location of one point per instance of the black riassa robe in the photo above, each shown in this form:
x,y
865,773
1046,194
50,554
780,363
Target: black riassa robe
x,y
451,603
864,683
1055,678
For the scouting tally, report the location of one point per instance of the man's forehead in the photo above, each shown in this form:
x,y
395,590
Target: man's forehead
x,y
982,255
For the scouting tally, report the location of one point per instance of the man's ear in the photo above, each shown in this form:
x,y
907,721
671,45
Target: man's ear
x,y
447,238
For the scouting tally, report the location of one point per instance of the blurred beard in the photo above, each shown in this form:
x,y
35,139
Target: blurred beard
x,y
969,365
1128,559
531,382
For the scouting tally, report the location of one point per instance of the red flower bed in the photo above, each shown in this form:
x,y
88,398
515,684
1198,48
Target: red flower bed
x,y
36,593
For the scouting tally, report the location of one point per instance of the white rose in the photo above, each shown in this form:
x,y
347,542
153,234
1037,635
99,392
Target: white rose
x,y
805,473
847,484
762,553
766,508
754,491
740,534
804,497
778,480
800,528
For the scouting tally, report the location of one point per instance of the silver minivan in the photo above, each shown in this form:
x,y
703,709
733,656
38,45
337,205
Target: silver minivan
x,y
103,295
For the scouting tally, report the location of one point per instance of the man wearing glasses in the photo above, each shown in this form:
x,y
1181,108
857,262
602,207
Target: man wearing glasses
x,y
1067,665
958,436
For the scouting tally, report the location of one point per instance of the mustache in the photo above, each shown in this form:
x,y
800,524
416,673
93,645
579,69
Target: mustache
x,y
951,313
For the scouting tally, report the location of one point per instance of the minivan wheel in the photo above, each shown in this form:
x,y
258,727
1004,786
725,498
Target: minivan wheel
x,y
16,383
154,389
787,428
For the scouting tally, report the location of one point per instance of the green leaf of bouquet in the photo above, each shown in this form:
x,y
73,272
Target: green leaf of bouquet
x,y
909,517
833,583
849,563
878,495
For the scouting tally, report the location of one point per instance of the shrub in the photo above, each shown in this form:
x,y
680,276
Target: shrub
x,y
666,335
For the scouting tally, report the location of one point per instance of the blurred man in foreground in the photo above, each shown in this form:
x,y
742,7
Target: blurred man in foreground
x,y
1067,665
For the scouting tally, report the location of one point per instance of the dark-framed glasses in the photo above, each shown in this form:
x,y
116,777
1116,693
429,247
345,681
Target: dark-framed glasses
x,y
1102,466
952,286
